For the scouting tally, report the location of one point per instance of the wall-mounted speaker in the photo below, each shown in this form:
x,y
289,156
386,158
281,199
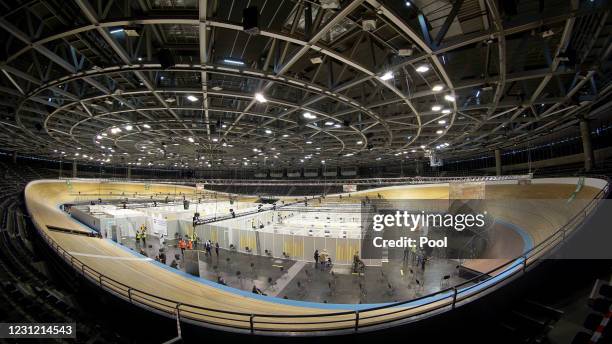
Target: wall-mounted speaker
x,y
166,59
249,20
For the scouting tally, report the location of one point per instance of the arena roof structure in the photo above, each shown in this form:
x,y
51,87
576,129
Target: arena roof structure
x,y
182,83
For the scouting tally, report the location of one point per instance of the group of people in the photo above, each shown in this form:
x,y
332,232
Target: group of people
x,y
189,244
323,259
415,257
141,235
208,246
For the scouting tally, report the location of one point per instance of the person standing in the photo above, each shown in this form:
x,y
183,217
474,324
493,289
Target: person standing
x,y
182,245
217,249
316,258
144,235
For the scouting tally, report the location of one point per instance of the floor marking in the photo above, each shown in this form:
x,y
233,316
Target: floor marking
x,y
287,277
107,257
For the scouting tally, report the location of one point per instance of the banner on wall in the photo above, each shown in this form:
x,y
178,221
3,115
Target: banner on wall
x,y
349,188
159,226
199,187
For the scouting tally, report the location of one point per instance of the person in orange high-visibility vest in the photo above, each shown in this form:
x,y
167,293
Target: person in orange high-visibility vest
x,y
182,246
189,245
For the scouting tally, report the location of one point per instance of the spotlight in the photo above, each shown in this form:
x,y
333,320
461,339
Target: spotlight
x,y
233,62
439,132
436,108
437,88
422,68
387,76
316,60
260,97
192,98
128,127
449,98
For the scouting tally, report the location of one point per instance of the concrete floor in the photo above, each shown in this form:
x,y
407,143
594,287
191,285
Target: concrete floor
x,y
297,280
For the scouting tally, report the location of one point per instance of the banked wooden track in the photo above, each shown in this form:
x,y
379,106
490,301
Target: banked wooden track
x,y
150,285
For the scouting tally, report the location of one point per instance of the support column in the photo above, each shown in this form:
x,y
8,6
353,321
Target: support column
x,y
74,169
585,133
419,167
498,163
129,172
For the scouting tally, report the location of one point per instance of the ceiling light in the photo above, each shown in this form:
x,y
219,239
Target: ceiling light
x,y
117,30
192,98
99,137
316,60
308,142
268,131
104,134
449,98
337,125
285,135
422,68
422,146
446,111
260,97
215,140
146,126
442,121
308,115
190,139
387,76
437,88
359,142
439,132
436,108
234,62
128,127
115,130
408,3
329,123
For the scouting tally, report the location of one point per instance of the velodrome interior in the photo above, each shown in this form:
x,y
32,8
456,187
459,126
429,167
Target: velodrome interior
x,y
182,171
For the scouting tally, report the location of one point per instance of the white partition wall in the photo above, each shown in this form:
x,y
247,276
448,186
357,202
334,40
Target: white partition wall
x,y
292,234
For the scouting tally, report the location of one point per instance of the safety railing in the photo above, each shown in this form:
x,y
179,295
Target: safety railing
x,y
307,182
334,322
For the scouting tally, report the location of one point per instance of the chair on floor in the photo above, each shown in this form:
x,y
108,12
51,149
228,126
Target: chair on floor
x,y
272,283
445,281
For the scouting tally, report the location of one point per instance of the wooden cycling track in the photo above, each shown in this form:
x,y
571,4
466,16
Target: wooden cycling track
x,y
160,289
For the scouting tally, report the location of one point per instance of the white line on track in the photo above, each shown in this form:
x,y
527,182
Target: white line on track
x,y
106,257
